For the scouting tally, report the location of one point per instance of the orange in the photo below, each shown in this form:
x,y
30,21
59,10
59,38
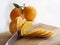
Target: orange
x,y
30,13
15,24
38,32
25,26
16,12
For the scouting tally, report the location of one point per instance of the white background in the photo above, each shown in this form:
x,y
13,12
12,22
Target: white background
x,y
48,12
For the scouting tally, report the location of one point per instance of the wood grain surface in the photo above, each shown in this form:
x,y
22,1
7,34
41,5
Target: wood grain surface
x,y
53,40
4,37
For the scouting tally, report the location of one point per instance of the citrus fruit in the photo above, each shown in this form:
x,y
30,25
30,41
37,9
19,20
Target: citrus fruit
x,y
29,13
16,12
16,25
25,26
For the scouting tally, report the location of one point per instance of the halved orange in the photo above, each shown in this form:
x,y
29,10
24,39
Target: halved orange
x,y
16,24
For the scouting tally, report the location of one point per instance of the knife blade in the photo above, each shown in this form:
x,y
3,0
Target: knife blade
x,y
12,39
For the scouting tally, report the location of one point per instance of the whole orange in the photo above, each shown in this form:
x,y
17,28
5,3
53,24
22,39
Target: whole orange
x,y
16,12
30,13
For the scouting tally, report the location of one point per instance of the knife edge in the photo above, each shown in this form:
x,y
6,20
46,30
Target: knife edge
x,y
12,39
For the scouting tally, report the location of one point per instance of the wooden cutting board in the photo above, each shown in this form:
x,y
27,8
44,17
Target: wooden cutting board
x,y
53,40
4,37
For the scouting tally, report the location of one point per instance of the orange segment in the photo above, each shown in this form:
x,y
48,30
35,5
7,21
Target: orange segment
x,y
20,21
25,26
38,32
48,35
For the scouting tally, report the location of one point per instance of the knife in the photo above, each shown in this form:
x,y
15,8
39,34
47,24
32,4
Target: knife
x,y
12,39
